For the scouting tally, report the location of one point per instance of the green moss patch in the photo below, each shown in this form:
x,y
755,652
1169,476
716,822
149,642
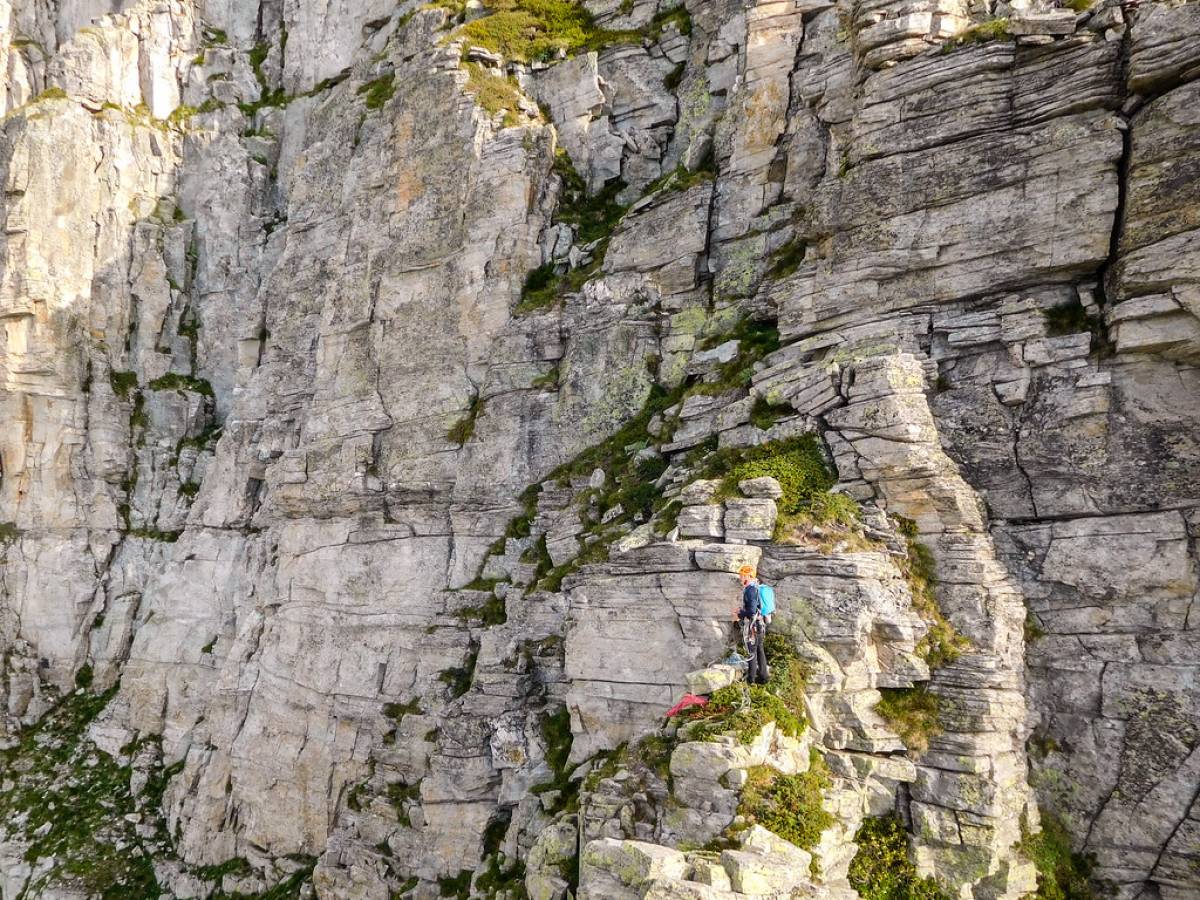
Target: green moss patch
x,y
462,430
765,414
539,30
756,340
593,217
378,91
789,805
1063,874
122,383
680,178
458,886
175,382
491,612
912,713
402,795
787,259
881,869
67,800
799,466
1067,318
679,16
459,678
942,644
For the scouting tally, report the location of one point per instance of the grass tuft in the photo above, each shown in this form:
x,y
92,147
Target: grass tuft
x,y
912,713
462,430
593,219
787,259
495,93
942,644
982,33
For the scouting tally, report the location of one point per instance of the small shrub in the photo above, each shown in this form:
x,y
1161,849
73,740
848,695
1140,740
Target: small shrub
x,y
881,869
85,676
400,794
1067,318
787,259
744,710
912,713
122,383
1062,873
756,340
796,463
789,805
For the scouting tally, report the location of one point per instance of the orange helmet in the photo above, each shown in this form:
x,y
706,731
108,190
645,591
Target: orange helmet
x,y
746,572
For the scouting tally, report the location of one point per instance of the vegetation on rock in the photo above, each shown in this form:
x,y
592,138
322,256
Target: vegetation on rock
x,y
942,644
881,869
912,713
799,466
1063,874
538,30
495,93
593,218
744,710
789,805
981,33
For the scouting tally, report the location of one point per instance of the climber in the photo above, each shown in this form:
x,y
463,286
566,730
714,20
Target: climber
x,y
754,629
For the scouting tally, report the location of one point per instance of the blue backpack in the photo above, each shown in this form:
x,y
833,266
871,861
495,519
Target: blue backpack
x,y
766,599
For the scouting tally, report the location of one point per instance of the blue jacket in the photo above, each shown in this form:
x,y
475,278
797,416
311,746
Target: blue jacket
x,y
750,603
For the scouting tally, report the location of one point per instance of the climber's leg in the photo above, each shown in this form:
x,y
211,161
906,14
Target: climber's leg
x,y
751,643
760,654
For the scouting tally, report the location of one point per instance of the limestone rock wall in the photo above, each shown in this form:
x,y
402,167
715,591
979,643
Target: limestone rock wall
x,y
286,460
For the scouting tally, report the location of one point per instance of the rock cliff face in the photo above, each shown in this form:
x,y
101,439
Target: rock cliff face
x,y
389,392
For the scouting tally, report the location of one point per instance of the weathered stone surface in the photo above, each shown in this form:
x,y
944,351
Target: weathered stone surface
x,y
705,681
702,521
765,487
750,520
271,404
